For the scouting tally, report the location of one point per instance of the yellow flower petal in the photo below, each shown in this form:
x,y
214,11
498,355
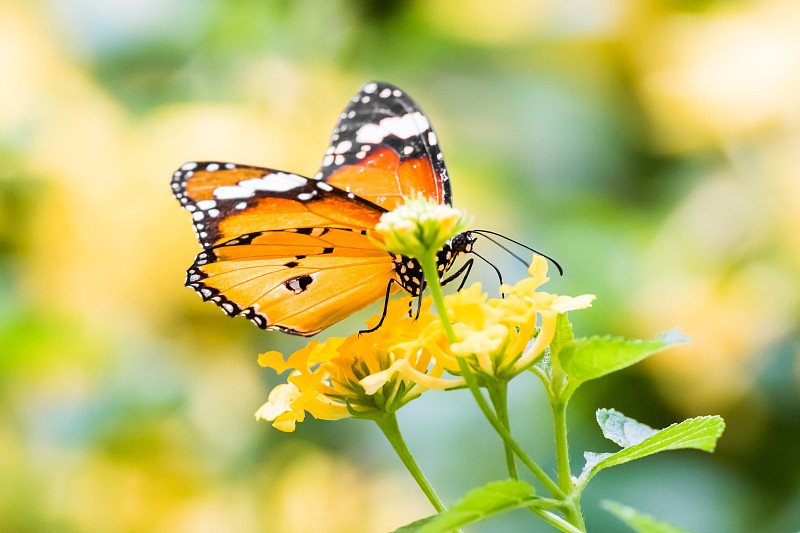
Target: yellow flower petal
x,y
563,304
274,360
478,341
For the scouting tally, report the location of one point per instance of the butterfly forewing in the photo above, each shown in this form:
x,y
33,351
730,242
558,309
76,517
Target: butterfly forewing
x,y
228,200
384,149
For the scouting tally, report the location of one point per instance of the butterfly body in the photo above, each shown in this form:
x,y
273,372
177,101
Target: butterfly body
x,y
292,253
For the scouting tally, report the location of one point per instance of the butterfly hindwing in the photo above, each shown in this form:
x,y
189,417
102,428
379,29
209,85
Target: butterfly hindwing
x,y
228,200
298,281
384,149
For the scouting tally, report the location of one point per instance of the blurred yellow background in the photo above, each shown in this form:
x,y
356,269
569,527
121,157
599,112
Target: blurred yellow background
x,y
652,147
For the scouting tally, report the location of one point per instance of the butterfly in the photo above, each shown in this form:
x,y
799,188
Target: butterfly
x,y
291,253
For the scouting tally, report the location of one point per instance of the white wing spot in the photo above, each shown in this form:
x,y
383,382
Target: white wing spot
x,y
397,92
324,186
408,149
327,160
408,125
205,205
370,88
386,93
212,167
339,159
241,205
213,212
303,196
189,166
276,182
432,140
365,100
198,215
230,165
343,147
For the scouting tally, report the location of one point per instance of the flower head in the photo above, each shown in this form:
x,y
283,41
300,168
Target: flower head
x,y
420,226
362,375
495,333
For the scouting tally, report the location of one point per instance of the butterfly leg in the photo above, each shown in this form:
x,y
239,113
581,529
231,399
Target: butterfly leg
x,y
419,299
465,269
385,308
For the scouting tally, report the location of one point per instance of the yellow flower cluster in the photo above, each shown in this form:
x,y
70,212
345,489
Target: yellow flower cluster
x,y
359,375
373,373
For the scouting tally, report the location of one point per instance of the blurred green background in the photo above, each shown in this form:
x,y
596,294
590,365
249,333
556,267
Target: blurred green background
x,y
652,147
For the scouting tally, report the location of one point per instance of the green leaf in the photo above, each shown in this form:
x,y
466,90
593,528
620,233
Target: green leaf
x,y
593,357
563,335
700,433
414,526
478,504
641,523
621,429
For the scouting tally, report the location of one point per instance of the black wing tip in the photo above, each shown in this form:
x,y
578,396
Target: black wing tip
x,y
376,86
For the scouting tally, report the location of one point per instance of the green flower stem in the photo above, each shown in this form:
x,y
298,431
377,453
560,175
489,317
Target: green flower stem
x,y
498,394
388,424
429,270
556,521
428,264
562,448
535,469
572,509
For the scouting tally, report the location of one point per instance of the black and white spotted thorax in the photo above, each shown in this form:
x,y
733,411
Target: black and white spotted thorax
x,y
408,271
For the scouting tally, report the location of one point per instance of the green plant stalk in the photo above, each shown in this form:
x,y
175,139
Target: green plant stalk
x,y
562,447
498,394
535,469
428,264
572,509
556,521
388,424
429,270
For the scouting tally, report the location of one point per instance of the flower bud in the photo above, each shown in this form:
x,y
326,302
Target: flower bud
x,y
420,227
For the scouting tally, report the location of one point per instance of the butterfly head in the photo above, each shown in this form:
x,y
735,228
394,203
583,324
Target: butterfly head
x,y
409,271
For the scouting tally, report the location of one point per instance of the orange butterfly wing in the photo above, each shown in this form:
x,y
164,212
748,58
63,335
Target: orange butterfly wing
x,y
384,150
228,200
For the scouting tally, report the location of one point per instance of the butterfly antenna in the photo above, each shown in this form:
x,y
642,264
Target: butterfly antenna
x,y
485,233
497,270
